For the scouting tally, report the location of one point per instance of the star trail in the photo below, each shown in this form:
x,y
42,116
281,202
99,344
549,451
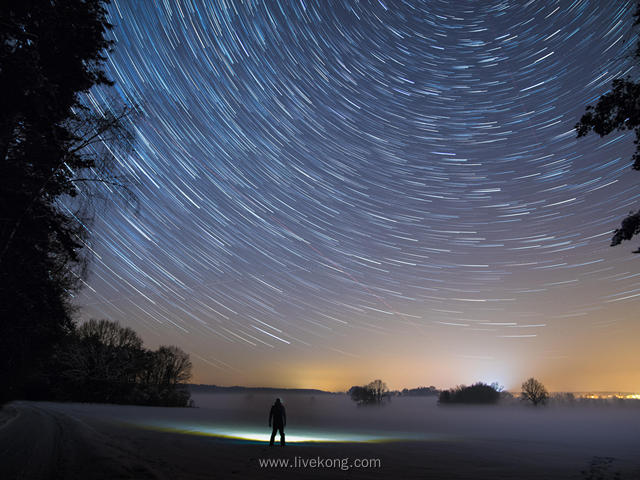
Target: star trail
x,y
331,192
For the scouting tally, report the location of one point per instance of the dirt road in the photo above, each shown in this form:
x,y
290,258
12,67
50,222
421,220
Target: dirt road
x,y
37,442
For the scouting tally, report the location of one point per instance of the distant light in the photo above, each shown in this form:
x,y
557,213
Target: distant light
x,y
609,396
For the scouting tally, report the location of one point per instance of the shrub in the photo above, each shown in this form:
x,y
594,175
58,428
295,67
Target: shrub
x,y
478,393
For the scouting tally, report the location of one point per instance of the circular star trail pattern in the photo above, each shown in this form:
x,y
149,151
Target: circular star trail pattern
x,y
310,174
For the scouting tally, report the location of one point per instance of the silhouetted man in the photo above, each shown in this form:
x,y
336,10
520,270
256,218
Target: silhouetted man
x,y
279,418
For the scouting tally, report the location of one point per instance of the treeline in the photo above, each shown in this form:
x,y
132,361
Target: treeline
x,y
377,393
533,392
101,361
199,388
420,392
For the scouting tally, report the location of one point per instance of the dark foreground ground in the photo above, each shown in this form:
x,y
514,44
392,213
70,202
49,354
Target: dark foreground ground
x,y
40,440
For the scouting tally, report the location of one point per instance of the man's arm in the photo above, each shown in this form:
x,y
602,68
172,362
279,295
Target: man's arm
x,y
284,417
270,415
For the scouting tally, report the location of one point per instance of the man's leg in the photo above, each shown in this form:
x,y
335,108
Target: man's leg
x,y
282,436
273,435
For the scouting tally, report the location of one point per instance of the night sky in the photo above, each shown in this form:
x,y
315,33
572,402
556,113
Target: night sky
x,y
334,192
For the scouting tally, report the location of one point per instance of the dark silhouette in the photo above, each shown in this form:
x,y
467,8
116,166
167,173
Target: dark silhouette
x,y
277,417
476,393
420,391
618,110
374,393
50,144
105,362
534,391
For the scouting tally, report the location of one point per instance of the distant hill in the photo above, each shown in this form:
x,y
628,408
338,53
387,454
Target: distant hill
x,y
199,388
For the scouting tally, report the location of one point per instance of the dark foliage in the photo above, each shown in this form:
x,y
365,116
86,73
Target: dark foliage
x,y
50,53
618,110
479,393
360,395
628,229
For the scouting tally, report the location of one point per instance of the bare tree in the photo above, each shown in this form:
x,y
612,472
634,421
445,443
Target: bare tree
x,y
534,391
105,351
378,390
110,333
171,366
106,362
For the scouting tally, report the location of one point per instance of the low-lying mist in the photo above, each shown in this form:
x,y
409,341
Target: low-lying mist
x,y
581,430
616,427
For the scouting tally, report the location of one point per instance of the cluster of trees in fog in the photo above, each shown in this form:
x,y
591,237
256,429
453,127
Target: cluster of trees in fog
x,y
376,393
103,361
532,391
373,393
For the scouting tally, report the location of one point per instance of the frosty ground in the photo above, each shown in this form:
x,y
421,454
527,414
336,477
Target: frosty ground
x,y
226,435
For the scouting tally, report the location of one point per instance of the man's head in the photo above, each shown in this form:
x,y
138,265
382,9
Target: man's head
x,y
278,401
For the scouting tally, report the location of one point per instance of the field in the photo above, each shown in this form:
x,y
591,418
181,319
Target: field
x,y
328,436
